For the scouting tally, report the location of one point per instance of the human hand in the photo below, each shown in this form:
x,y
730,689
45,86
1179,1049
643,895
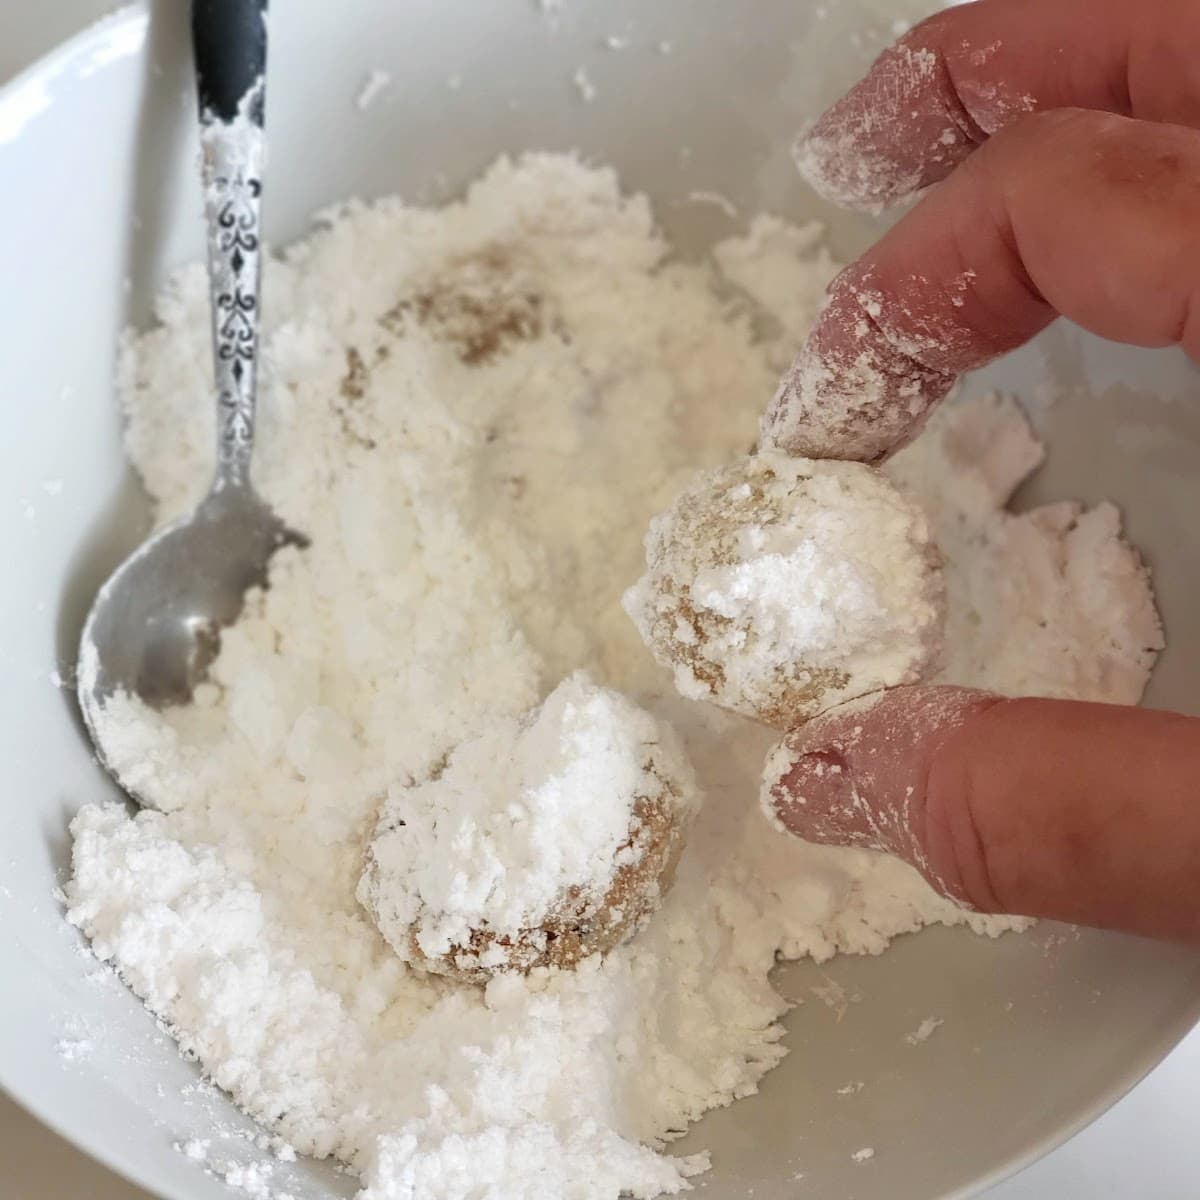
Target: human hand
x,y
1065,133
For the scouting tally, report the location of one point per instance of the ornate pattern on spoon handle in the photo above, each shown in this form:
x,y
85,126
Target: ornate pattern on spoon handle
x,y
232,172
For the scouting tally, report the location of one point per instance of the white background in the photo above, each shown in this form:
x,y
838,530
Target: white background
x,y
1147,1147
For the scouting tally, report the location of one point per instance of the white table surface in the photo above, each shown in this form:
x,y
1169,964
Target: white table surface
x,y
1146,1148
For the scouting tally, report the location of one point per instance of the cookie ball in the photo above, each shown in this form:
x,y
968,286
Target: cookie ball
x,y
779,587
542,840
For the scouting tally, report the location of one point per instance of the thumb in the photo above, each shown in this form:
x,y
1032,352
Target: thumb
x,y
1088,813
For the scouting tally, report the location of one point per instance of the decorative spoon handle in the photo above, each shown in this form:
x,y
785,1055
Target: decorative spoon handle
x,y
229,40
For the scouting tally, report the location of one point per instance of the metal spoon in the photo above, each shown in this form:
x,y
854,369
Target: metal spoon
x,y
155,625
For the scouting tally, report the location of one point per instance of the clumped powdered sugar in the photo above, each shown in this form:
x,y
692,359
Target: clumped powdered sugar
x,y
924,1031
474,413
1060,573
374,85
765,264
780,587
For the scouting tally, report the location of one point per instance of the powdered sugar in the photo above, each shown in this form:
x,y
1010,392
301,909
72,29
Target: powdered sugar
x,y
1059,573
75,1049
474,413
584,86
374,85
779,587
764,265
924,1031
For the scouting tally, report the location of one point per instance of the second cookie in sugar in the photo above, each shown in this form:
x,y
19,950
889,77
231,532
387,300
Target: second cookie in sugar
x,y
779,587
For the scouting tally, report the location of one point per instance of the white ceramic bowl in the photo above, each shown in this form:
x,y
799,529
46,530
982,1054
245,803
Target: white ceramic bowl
x,y
98,199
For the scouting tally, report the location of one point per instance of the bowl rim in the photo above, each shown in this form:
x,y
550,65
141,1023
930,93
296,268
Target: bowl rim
x,y
126,27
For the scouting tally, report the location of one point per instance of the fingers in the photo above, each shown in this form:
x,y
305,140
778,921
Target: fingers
x,y
965,73
1086,813
1093,216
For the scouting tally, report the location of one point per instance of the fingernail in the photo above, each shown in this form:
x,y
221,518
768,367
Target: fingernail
x,y
890,136
851,393
800,789
838,172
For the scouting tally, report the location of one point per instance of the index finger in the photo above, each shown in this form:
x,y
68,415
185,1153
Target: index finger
x,y
1073,212
963,74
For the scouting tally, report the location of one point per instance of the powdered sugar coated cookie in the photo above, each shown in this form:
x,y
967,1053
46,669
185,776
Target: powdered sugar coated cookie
x,y
780,586
542,840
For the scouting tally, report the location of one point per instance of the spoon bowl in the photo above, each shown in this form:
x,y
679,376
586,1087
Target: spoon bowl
x,y
155,625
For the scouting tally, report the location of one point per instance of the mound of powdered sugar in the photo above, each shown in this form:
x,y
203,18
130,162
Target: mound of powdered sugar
x,y
474,413
780,587
543,839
